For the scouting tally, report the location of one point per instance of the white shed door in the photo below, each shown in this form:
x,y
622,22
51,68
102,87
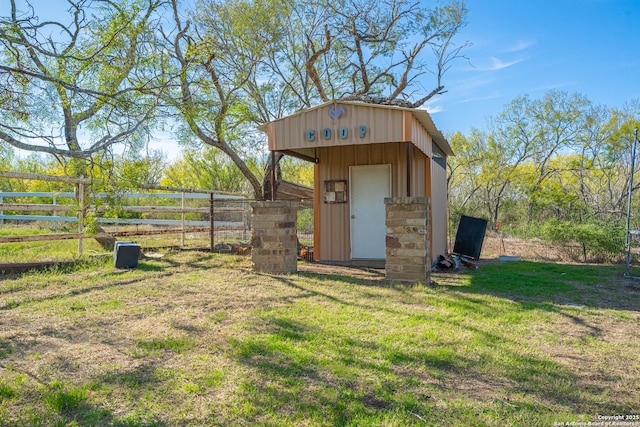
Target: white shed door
x,y
368,186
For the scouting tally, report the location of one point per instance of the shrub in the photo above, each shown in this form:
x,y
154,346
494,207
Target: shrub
x,y
602,241
305,221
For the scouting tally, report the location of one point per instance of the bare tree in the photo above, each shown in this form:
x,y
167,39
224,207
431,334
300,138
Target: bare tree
x,y
376,52
244,63
212,67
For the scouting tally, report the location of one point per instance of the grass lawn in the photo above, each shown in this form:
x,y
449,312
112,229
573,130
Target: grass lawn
x,y
199,339
67,250
42,251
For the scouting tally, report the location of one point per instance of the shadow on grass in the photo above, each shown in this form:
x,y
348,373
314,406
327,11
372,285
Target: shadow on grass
x,y
342,380
160,268
17,270
373,277
75,292
436,353
200,260
90,415
325,280
204,261
69,405
296,383
136,381
310,369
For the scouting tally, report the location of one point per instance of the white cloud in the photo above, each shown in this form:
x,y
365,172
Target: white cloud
x,y
468,84
433,106
435,109
498,64
520,45
481,98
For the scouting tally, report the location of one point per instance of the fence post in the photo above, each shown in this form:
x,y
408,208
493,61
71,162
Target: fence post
x,y
245,219
183,218
211,222
1,212
55,214
80,214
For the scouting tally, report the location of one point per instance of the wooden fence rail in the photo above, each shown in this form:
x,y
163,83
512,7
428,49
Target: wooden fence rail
x,y
21,211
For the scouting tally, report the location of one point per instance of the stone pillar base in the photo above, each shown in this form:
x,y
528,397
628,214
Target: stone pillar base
x,y
274,237
408,239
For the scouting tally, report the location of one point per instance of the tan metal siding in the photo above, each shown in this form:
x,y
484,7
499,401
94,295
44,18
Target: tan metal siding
x,y
334,164
418,174
272,137
382,126
317,223
438,209
420,137
334,227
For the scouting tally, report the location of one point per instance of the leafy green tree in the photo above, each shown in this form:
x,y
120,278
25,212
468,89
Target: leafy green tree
x,y
77,87
212,63
507,149
615,160
6,160
463,169
556,167
557,122
601,240
297,171
558,194
208,168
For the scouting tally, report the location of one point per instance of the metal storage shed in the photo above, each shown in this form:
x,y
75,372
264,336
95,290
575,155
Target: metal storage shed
x,y
364,153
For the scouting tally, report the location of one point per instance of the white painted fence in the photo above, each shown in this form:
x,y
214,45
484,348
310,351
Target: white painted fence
x,y
63,206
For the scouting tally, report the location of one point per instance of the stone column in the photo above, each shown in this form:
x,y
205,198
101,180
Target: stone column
x,y
274,236
408,239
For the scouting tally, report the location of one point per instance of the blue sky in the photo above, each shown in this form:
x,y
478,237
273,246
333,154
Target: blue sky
x,y
532,46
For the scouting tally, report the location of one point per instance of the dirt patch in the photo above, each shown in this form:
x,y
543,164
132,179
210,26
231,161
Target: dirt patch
x,y
531,249
374,274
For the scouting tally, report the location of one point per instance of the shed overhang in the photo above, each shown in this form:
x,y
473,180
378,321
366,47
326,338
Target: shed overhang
x,y
342,123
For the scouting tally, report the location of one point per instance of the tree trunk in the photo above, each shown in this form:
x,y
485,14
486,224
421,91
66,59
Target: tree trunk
x,y
105,240
267,191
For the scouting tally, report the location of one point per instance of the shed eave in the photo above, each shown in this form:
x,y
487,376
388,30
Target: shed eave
x,y
421,115
425,120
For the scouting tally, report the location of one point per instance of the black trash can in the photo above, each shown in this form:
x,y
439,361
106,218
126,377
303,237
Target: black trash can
x,y
126,254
